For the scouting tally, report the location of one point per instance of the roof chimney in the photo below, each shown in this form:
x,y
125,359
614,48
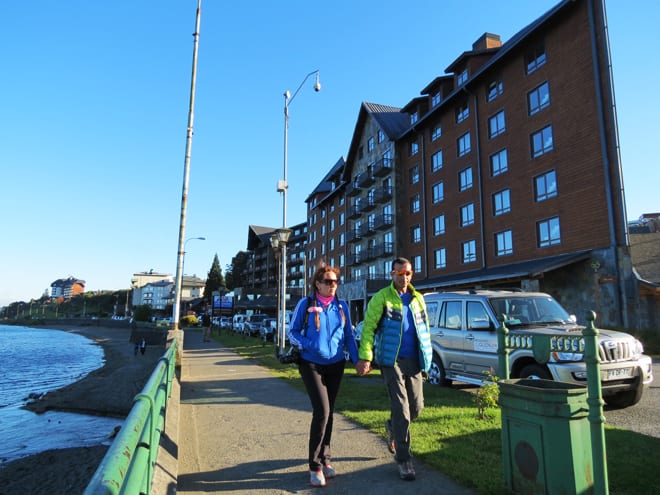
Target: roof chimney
x,y
487,41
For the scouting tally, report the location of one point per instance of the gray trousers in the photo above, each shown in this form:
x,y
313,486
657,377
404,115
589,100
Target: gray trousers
x,y
404,383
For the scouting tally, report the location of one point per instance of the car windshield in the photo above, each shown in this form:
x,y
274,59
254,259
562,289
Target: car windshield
x,y
522,309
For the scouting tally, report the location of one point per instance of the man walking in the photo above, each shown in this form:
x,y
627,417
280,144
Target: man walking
x,y
396,337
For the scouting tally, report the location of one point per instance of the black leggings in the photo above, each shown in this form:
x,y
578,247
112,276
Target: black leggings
x,y
322,384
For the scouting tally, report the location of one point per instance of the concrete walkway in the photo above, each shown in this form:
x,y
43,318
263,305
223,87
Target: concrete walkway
x,y
242,431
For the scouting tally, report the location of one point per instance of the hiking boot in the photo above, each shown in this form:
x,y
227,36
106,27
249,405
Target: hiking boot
x,y
407,471
329,471
390,437
316,478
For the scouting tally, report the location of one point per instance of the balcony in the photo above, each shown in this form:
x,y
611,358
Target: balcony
x,y
383,249
354,259
382,195
365,179
352,189
383,167
383,222
368,205
367,229
353,236
354,212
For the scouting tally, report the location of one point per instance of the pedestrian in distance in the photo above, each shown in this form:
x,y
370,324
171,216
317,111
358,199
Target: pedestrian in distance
x,y
206,325
143,346
321,329
396,336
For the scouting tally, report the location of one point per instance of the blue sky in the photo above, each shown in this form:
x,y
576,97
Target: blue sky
x,y
94,98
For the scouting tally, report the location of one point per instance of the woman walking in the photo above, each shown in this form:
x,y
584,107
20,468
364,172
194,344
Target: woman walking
x,y
321,329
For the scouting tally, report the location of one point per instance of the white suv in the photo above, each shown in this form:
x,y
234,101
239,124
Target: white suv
x,y
464,338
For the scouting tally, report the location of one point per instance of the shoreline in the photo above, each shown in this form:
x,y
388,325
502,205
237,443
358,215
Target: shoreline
x,y
106,391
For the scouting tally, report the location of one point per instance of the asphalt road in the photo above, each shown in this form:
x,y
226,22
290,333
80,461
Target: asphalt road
x,y
642,417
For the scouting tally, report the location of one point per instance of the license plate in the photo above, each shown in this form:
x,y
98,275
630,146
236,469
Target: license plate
x,y
615,373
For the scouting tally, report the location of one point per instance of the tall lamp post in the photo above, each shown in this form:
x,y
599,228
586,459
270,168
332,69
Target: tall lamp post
x,y
186,176
177,300
282,186
278,241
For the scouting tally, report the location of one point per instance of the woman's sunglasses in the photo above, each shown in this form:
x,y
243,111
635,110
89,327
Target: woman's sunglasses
x,y
329,281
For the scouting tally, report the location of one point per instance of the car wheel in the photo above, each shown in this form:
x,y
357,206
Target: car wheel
x,y
624,399
437,374
535,372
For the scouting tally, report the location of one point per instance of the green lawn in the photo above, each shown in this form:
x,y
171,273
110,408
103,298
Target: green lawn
x,y
450,437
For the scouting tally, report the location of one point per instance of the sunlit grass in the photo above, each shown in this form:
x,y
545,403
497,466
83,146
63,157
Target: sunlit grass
x,y
450,437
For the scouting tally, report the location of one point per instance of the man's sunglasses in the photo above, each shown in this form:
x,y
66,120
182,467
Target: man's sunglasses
x,y
401,273
330,281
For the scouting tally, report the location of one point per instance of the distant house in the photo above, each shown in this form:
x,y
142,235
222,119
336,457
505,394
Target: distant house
x,y
157,290
67,287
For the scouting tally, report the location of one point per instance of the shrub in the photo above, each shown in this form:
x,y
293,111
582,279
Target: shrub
x,y
487,397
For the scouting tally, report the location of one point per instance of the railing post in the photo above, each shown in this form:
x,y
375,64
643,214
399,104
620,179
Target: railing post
x,y
595,401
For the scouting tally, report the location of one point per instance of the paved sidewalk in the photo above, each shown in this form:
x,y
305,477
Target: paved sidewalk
x,y
242,431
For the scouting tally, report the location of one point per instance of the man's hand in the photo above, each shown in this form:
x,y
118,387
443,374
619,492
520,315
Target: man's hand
x,y
363,367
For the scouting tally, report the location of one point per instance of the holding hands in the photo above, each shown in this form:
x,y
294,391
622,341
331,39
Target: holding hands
x,y
363,367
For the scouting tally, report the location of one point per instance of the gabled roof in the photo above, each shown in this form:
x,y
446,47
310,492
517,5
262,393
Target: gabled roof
x,y
390,119
258,236
325,186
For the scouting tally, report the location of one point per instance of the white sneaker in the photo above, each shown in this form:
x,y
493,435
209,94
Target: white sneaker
x,y
316,478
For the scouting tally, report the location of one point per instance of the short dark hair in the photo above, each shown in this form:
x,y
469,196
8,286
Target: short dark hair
x,y
400,261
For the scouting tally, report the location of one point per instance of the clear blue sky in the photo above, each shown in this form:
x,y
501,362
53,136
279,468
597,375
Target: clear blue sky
x,y
94,99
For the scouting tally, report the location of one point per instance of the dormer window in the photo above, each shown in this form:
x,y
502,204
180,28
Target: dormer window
x,y
414,117
435,99
371,144
462,78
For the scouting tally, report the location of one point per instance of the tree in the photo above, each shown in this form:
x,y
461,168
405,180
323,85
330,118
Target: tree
x,y
237,270
214,280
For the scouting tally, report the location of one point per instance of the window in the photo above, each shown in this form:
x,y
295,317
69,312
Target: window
x,y
436,98
542,142
545,186
465,179
462,77
501,202
535,58
342,218
341,239
462,113
496,125
414,117
436,161
467,215
495,89
341,260
414,148
438,192
436,132
381,136
499,163
414,174
469,249
332,224
440,256
332,244
414,204
439,225
463,144
416,234
371,144
503,243
538,99
417,263
548,232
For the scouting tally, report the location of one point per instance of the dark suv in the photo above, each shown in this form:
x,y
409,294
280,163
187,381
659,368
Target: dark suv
x,y
464,339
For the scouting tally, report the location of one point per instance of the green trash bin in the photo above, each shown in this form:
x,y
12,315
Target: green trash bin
x,y
546,440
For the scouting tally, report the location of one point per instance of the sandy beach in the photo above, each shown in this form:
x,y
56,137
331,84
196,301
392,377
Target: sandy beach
x,y
108,391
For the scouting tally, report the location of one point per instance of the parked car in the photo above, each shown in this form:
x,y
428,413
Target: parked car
x,y
269,329
464,340
237,323
252,324
224,322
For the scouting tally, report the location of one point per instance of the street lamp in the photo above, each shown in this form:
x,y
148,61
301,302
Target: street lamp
x,y
278,240
177,292
282,186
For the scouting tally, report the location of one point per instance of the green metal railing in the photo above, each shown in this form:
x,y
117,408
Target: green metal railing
x,y
128,466
542,346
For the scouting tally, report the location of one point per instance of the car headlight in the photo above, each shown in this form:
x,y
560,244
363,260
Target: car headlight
x,y
566,356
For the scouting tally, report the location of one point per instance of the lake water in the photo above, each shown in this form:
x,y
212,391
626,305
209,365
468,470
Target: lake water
x,y
35,361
